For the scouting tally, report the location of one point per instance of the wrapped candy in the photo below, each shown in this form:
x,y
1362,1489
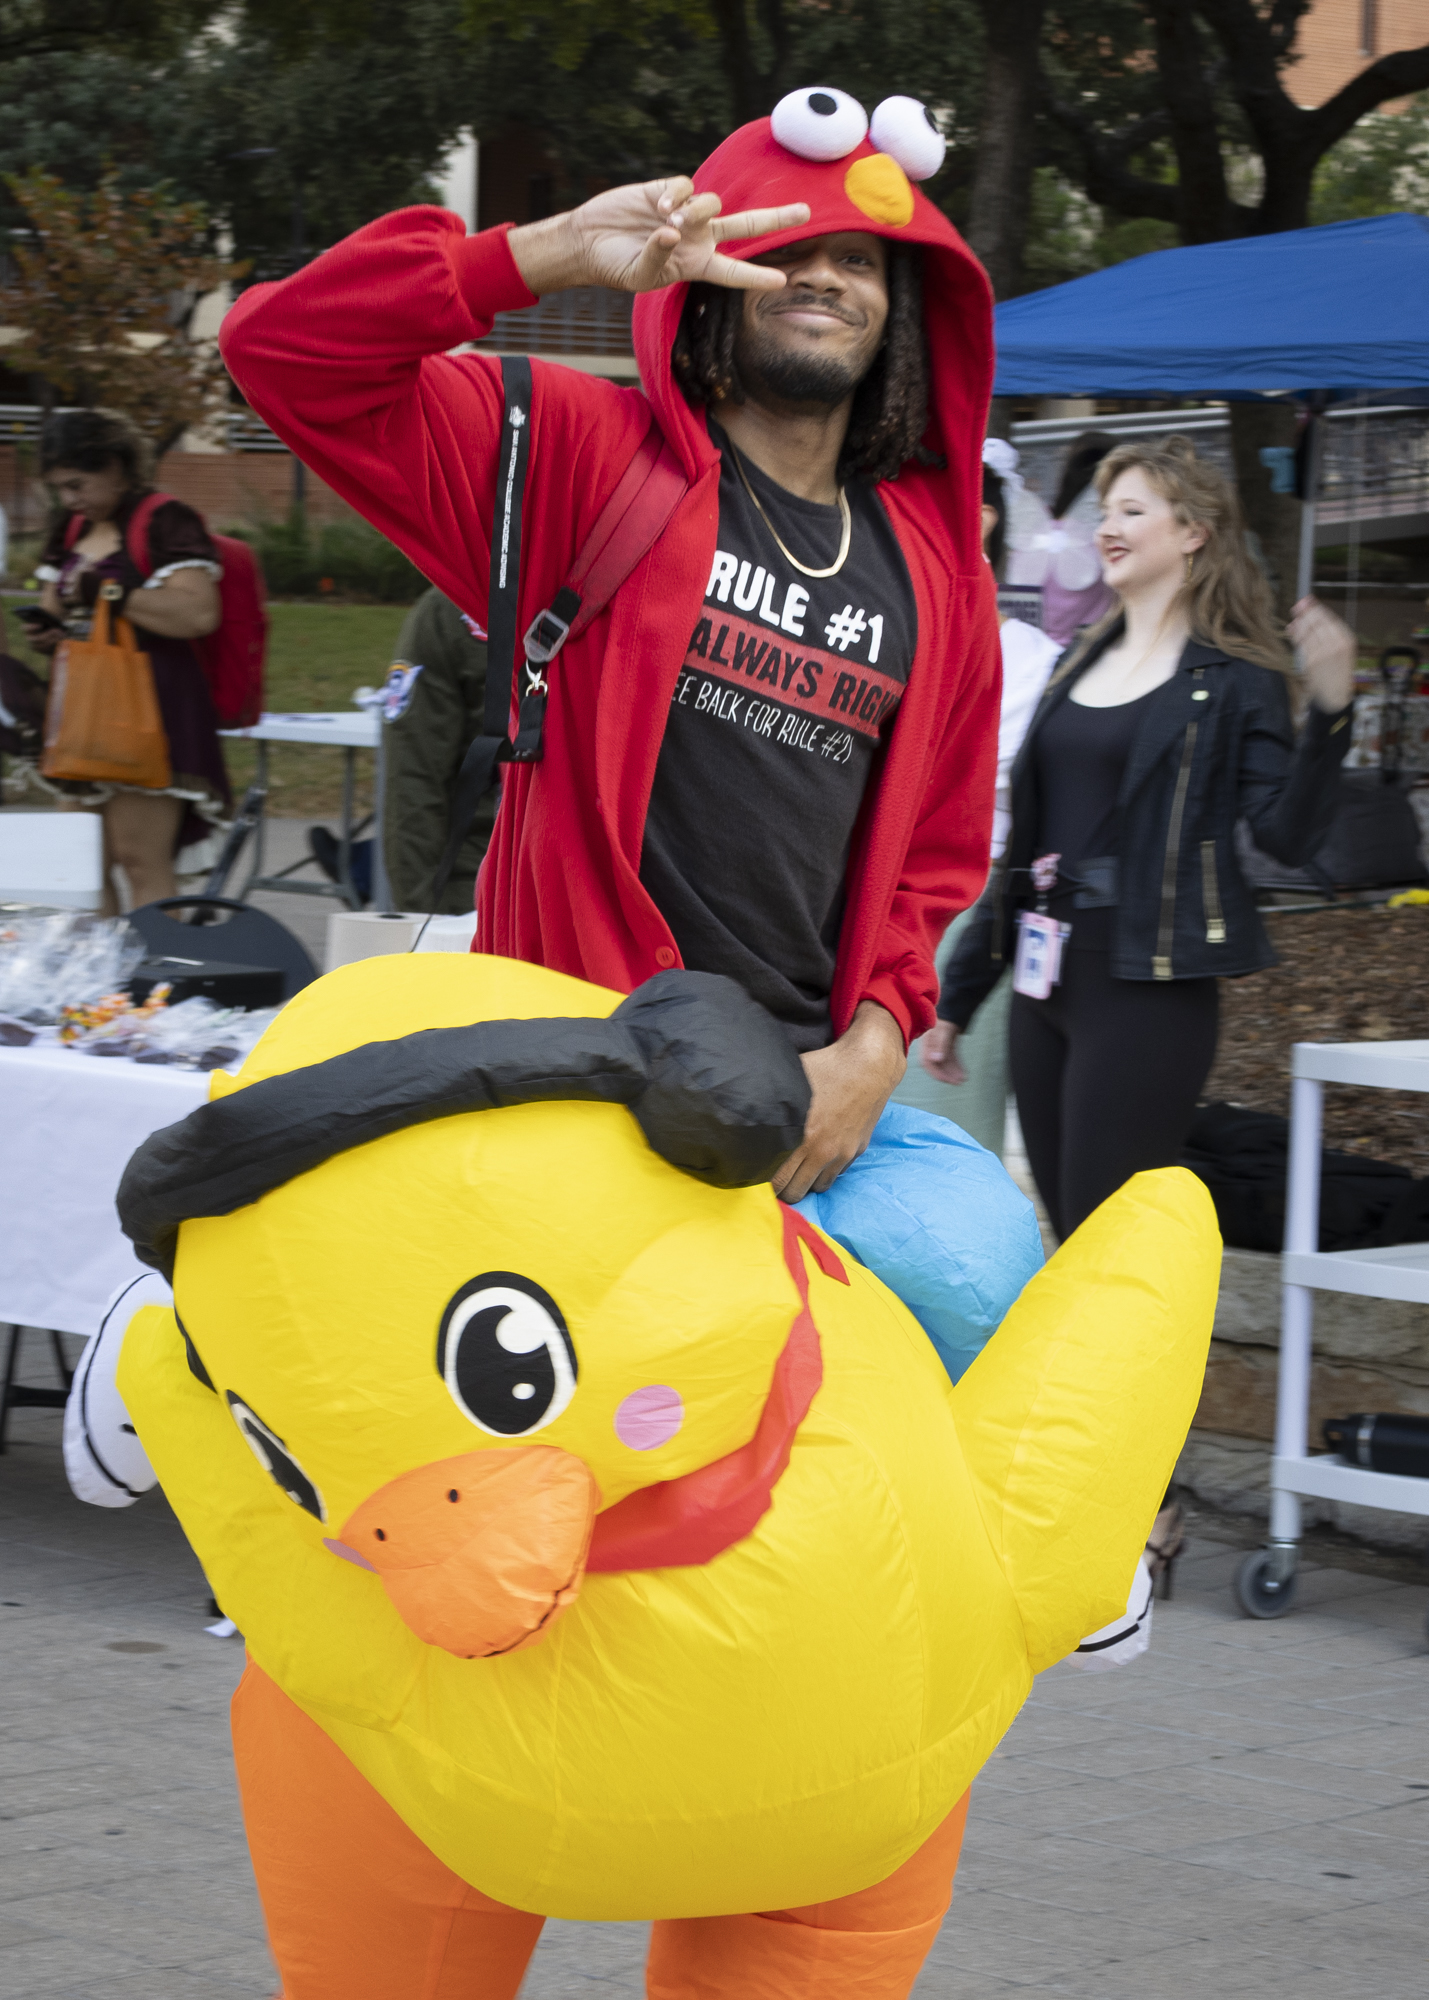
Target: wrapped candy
x,y
64,978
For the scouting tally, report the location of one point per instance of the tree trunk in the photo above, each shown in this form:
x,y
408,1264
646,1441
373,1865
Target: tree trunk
x,y
1203,202
1002,184
747,89
1289,183
1274,518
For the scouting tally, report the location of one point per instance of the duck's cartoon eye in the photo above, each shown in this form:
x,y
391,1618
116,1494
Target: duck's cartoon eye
x,y
904,129
819,124
505,1355
276,1459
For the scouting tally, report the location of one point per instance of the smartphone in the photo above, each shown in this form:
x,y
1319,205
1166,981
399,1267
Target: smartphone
x,y
38,619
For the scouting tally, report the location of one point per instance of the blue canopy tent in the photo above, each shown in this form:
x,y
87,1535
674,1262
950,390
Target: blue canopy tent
x,y
1323,314
1341,309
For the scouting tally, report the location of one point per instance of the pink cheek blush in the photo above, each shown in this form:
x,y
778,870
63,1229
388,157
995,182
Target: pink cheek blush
x,y
348,1555
648,1418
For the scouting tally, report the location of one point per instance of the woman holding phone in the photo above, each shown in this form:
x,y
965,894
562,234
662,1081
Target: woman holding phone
x,y
98,467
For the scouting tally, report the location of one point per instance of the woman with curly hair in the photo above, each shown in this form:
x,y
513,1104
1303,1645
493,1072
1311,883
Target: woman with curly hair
x,y
98,467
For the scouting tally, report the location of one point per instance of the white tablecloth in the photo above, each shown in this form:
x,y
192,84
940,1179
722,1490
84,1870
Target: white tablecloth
x,y
69,1124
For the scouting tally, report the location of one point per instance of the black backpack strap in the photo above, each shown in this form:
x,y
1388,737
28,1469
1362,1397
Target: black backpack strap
x,y
478,767
627,528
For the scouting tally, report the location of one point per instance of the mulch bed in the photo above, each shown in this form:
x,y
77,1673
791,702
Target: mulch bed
x,y
1345,975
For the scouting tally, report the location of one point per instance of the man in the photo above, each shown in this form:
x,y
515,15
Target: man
x,y
774,755
432,708
433,702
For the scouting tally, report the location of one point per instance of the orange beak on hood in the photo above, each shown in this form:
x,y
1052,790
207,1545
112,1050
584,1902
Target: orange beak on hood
x,y
479,1553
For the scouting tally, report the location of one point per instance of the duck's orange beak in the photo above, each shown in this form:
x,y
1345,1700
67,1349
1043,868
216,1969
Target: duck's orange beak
x,y
479,1553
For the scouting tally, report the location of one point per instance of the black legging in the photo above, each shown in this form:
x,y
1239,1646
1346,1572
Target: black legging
x,y
1107,1073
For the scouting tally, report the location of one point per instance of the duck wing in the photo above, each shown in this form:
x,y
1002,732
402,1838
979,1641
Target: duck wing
x,y
1074,1414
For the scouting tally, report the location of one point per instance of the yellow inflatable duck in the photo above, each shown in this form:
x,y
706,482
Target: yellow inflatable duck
x,y
626,1537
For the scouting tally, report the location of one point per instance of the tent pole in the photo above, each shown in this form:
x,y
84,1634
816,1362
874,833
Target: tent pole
x,y
1314,451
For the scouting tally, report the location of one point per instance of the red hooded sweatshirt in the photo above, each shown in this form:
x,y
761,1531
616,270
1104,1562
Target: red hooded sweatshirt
x,y
351,363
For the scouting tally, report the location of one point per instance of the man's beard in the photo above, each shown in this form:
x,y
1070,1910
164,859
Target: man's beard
x,y
821,381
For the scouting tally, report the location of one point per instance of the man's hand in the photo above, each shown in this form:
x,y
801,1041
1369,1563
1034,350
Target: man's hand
x,y
852,1081
938,1053
640,238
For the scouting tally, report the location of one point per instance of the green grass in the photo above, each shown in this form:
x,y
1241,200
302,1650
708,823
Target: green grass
x,y
317,655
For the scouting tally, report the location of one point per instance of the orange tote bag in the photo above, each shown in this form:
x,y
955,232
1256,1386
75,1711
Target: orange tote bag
x,y
103,720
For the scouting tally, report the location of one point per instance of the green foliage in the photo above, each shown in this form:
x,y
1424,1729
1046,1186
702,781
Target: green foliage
x,y
34,27
1383,165
566,29
345,558
362,563
305,122
1069,236
652,94
287,139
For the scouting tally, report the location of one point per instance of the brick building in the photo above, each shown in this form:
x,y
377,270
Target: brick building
x,y
1339,38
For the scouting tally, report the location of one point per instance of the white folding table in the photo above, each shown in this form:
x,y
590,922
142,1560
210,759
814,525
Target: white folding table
x,y
348,730
1265,1581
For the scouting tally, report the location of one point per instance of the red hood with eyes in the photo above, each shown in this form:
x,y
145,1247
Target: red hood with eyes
x,y
752,170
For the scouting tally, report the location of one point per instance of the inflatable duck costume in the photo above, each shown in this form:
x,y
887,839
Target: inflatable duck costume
x,y
605,1543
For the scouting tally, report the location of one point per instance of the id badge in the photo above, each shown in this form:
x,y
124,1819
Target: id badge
x,y
1038,965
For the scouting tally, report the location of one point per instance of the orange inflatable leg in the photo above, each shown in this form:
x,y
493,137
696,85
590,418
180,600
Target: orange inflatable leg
x,y
357,1908
869,1946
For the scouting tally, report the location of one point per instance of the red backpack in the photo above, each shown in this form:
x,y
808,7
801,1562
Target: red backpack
x,y
232,656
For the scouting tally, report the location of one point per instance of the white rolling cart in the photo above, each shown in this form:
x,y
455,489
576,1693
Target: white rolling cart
x,y
1265,1581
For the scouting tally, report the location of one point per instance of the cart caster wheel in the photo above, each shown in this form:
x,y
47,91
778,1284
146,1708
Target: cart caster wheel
x,y
1257,1592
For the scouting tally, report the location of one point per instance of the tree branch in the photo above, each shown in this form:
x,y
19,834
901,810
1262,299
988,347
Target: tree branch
x,y
776,26
1107,179
1203,207
746,95
1254,49
1002,180
1283,22
1399,74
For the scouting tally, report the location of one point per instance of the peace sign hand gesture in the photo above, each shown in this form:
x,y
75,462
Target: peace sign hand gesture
x,y
640,238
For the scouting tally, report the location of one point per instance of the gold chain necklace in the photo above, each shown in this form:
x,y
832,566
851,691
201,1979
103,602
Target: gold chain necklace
x,y
788,555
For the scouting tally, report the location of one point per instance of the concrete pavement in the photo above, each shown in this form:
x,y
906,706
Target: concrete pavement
x,y
1243,1812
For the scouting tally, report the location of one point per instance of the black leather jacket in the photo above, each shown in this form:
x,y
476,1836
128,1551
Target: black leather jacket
x,y
1215,744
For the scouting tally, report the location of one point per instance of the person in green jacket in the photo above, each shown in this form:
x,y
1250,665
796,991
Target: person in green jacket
x,y
432,708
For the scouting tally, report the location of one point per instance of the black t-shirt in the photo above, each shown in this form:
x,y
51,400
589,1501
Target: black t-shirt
x,y
1081,757
789,688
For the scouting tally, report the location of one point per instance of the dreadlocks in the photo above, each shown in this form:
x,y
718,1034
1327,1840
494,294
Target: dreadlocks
x,y
890,405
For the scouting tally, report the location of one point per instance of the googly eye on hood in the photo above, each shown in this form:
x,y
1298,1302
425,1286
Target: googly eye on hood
x,y
827,124
904,129
819,124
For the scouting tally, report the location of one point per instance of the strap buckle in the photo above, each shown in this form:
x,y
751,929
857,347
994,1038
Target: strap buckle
x,y
545,638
